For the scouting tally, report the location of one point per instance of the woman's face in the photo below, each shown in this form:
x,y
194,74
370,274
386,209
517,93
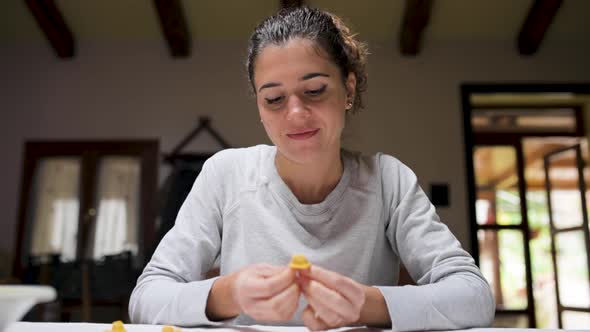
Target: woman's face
x,y
301,99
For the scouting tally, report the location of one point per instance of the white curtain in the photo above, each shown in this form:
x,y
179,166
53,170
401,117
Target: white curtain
x,y
116,225
55,215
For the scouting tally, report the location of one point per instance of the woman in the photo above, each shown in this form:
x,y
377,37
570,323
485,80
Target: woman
x,y
355,217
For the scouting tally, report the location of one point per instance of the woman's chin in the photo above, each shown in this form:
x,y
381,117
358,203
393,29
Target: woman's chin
x,y
303,154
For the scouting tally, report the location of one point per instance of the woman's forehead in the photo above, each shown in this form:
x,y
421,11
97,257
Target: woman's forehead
x,y
296,57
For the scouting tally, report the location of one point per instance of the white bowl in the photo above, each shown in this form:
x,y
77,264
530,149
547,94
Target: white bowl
x,y
17,300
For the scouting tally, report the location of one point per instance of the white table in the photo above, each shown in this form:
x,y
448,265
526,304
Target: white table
x,y
91,327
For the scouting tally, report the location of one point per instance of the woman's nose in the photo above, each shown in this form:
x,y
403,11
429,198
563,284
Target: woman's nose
x,y
296,109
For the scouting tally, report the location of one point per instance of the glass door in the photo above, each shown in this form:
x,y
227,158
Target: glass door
x,y
502,231
570,237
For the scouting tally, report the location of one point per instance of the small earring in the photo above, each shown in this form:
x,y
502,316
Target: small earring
x,y
349,105
261,121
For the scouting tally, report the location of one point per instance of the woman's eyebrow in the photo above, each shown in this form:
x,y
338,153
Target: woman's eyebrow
x,y
305,77
268,85
312,75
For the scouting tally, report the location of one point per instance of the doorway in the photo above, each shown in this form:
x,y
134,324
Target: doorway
x,y
526,153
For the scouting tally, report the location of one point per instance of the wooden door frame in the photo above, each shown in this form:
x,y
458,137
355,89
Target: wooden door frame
x,y
468,89
523,227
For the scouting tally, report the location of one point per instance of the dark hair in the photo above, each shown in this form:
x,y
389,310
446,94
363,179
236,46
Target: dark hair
x,y
327,30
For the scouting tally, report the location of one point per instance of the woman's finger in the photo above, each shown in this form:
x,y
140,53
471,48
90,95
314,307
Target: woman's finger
x,y
268,270
328,316
337,282
265,287
313,322
332,307
282,306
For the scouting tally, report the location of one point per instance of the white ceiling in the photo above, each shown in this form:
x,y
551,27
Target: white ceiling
x,y
374,20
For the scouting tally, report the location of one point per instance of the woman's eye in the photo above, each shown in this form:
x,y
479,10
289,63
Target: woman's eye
x,y
316,92
273,101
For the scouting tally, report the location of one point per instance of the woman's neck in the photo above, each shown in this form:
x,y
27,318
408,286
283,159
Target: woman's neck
x,y
311,183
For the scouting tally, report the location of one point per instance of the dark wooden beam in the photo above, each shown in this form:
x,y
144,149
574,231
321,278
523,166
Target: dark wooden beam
x,y
54,26
174,27
416,17
536,25
291,3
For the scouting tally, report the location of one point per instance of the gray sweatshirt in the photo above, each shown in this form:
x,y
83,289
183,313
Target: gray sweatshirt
x,y
240,212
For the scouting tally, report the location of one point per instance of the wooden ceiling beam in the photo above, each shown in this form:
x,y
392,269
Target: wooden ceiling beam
x,y
174,27
535,26
291,3
416,17
53,25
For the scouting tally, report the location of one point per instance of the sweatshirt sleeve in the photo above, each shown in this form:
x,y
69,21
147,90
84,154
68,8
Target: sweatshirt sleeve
x,y
451,292
172,289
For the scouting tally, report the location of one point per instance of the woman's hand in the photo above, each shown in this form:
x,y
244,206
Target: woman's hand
x,y
266,292
334,300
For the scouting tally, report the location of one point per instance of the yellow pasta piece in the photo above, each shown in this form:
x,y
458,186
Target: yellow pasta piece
x,y
299,262
118,326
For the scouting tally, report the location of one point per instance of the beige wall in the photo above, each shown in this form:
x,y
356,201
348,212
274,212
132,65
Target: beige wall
x,y
137,91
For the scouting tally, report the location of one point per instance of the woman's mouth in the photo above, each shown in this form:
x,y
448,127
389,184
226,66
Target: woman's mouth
x,y
304,134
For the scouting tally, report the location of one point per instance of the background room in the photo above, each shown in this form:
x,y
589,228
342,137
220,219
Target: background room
x,y
97,99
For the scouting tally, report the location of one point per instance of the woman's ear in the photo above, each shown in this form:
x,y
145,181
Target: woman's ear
x,y
351,86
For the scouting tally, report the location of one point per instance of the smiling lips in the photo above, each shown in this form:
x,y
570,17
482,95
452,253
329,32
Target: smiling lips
x,y
303,134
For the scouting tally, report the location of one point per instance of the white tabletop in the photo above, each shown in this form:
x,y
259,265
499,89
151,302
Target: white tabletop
x,y
91,327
